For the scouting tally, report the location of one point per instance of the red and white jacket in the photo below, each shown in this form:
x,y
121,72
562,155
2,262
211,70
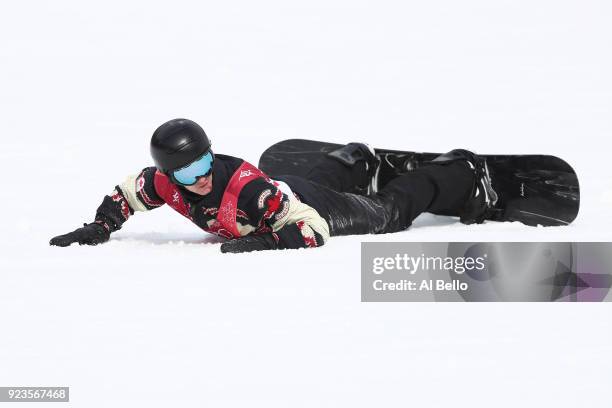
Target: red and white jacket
x,y
259,204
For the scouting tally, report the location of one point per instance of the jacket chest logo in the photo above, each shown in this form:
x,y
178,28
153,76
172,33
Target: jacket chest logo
x,y
245,173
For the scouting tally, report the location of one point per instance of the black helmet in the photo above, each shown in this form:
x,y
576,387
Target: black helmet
x,y
177,143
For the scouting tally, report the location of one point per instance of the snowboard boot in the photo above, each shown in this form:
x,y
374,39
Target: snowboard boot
x,y
353,153
481,201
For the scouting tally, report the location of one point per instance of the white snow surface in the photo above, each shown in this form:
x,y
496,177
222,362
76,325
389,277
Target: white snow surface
x,y
159,317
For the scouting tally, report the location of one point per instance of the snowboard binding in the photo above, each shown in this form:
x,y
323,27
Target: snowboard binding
x,y
483,198
353,153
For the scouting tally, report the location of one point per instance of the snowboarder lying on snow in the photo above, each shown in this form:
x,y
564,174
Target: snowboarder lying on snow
x,y
229,197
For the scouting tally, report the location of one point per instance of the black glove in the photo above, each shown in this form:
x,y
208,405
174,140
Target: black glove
x,y
89,234
250,243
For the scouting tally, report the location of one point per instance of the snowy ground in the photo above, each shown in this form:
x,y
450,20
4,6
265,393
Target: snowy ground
x,y
158,317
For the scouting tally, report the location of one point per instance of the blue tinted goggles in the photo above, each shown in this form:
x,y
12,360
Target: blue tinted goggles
x,y
189,175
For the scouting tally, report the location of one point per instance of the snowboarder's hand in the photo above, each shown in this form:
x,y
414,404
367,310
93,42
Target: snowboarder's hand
x,y
250,243
89,234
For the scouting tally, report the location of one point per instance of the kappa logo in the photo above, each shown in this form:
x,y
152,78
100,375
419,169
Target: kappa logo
x,y
245,173
175,197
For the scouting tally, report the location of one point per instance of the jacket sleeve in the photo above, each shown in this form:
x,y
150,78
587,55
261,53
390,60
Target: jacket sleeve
x,y
136,193
293,223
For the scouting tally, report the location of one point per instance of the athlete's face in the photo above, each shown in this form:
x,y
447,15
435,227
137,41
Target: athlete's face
x,y
202,187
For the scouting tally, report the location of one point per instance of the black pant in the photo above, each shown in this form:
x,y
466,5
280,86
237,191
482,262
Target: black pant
x,y
330,188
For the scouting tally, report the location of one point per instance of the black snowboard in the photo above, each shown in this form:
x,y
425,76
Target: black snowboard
x,y
532,189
